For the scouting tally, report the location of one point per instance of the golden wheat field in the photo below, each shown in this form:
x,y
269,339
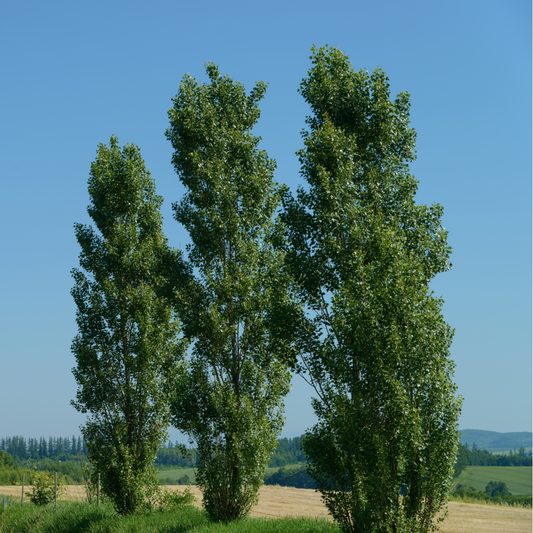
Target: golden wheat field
x,y
280,502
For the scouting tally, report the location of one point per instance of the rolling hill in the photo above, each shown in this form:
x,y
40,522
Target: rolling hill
x,y
495,442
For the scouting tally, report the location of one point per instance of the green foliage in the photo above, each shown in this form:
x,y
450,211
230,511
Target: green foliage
x,y
497,493
497,489
43,487
6,460
127,351
70,469
288,452
184,480
484,458
291,477
175,455
462,461
172,501
231,401
10,473
477,457
374,344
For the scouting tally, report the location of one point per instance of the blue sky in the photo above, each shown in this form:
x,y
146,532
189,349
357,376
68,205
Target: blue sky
x,y
74,73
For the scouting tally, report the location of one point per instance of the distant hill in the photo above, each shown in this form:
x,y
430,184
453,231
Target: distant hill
x,y
495,442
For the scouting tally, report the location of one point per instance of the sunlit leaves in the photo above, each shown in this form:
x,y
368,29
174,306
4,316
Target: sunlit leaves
x,y
231,400
373,344
127,352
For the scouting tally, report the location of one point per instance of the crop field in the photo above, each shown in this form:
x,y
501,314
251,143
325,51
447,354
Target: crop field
x,y
276,504
517,478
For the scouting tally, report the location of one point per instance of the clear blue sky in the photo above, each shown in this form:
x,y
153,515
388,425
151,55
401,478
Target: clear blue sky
x,y
74,73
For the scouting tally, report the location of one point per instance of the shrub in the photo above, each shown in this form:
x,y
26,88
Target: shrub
x,y
497,488
42,489
168,500
470,494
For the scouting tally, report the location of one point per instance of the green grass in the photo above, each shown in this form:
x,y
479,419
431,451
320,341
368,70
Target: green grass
x,y
272,469
517,478
72,517
175,473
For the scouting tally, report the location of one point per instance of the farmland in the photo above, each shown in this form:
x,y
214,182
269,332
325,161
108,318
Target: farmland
x,y
274,514
517,478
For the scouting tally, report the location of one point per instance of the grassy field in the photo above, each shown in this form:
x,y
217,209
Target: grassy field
x,y
175,473
72,517
517,478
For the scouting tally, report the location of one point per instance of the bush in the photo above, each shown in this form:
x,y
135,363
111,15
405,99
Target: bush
x,y
42,490
470,494
168,500
497,488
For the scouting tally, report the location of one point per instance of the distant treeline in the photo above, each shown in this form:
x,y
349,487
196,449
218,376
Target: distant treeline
x,y
67,455
171,454
291,477
10,472
477,457
51,448
287,453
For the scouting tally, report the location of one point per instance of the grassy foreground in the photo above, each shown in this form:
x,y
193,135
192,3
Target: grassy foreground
x,y
77,517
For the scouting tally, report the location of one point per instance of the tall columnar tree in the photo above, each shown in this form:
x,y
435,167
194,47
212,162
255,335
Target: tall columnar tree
x,y
374,344
231,402
127,351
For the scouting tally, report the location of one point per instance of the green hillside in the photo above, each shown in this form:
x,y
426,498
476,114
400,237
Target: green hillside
x,y
171,476
495,442
517,478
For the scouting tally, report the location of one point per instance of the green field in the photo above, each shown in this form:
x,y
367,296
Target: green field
x,y
517,478
175,473
273,469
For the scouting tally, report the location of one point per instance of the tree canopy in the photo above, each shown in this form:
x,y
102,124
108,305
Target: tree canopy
x,y
373,342
127,349
231,401
332,283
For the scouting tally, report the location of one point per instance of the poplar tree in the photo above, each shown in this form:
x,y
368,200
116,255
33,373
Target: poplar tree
x,y
127,351
231,401
373,344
